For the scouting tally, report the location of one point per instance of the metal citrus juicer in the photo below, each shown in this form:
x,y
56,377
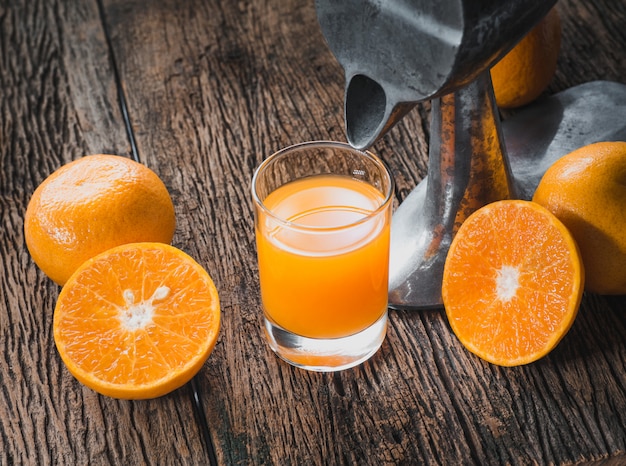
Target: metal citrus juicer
x,y
397,53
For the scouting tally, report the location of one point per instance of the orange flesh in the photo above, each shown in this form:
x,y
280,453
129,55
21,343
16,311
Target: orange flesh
x,y
137,321
512,282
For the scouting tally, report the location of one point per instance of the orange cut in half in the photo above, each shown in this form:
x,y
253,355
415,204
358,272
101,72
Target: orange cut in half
x,y
137,321
512,282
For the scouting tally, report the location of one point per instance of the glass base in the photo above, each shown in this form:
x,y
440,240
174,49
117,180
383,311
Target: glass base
x,y
326,354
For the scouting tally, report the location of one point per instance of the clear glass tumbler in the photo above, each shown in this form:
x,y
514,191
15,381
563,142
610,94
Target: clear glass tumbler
x,y
322,220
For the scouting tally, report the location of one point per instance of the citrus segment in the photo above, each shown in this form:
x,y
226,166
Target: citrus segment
x,y
512,282
93,204
137,321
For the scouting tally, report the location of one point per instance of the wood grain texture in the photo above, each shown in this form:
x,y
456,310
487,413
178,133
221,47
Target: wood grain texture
x,y
212,88
58,101
242,79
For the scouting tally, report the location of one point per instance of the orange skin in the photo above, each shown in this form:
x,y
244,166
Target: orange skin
x,y
90,205
586,190
526,71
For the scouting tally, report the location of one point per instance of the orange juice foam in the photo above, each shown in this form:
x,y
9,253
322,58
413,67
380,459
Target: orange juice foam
x,y
324,273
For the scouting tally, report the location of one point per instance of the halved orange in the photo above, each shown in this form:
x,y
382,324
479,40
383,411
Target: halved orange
x,y
512,282
137,321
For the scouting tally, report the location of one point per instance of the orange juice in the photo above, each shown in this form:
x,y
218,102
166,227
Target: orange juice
x,y
323,257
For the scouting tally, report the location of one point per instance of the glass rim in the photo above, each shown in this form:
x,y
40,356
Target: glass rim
x,y
330,144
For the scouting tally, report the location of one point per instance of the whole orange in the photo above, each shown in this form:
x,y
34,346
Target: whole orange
x,y
586,190
525,72
93,204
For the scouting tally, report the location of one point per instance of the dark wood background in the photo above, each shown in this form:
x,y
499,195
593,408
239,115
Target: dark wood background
x,y
201,92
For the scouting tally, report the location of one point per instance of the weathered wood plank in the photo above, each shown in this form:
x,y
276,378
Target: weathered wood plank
x,y
593,43
213,88
58,101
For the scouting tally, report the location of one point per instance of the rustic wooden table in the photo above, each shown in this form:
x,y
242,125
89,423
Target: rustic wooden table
x,y
201,92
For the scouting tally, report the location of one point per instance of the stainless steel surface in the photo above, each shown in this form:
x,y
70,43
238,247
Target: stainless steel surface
x,y
399,52
396,53
542,133
467,169
534,138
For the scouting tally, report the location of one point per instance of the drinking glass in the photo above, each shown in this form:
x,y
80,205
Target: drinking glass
x,y
322,223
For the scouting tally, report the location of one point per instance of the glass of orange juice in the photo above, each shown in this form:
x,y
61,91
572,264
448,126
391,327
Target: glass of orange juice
x,y
322,223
